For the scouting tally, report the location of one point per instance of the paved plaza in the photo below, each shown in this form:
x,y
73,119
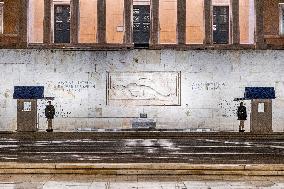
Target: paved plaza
x,y
138,182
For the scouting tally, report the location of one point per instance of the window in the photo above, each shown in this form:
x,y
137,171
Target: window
x,y
88,21
114,21
195,32
281,29
246,21
261,107
35,24
27,107
168,21
61,21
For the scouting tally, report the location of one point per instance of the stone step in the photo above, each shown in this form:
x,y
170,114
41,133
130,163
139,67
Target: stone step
x,y
143,169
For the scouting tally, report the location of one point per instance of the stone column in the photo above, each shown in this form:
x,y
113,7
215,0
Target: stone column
x,y
47,22
128,25
208,21
155,22
74,27
236,25
259,32
101,16
23,24
181,21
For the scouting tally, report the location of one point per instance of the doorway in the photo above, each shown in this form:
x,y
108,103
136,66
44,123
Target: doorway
x,y
221,24
62,23
141,25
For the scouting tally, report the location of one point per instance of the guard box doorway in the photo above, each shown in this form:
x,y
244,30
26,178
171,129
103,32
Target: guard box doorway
x,y
62,23
141,25
221,22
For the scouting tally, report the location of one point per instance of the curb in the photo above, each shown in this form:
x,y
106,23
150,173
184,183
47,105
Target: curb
x,y
143,169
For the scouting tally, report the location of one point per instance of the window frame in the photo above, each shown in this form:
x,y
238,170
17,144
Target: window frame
x,y
281,19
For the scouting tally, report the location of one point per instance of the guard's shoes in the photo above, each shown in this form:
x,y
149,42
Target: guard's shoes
x,y
241,130
49,130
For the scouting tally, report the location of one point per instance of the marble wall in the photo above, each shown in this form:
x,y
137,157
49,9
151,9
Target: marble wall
x,y
108,89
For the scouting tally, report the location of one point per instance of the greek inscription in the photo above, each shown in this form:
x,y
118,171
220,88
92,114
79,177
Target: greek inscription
x,y
208,86
74,86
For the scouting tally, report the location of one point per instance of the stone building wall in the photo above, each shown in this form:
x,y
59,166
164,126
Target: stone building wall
x,y
14,31
108,89
271,23
271,17
21,19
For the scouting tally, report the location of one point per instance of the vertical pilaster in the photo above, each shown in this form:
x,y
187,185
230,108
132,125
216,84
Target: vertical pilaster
x,y
208,21
127,19
101,16
74,28
155,22
181,21
236,25
259,6
23,23
47,22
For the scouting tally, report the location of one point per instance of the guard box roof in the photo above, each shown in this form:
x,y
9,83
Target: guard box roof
x,y
28,92
259,93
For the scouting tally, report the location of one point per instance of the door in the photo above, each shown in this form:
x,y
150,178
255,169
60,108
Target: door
x,y
26,115
61,23
221,22
141,25
261,116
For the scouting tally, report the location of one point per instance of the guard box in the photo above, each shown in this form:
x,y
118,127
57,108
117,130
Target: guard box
x,y
261,108
27,97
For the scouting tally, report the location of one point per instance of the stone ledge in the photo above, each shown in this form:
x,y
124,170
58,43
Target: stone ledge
x,y
143,169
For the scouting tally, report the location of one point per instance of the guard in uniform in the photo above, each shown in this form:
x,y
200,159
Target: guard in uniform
x,y
49,114
242,116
